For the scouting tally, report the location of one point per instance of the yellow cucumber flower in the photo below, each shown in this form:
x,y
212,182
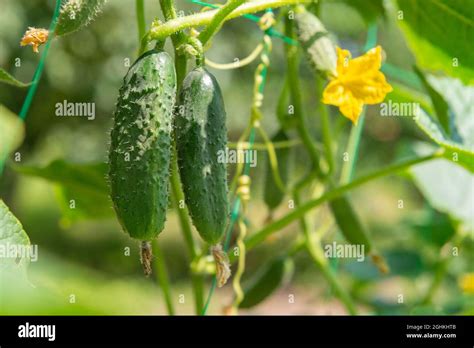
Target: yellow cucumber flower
x,y
466,283
34,37
358,82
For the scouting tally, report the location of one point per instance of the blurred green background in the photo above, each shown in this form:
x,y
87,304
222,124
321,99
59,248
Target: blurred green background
x,y
83,267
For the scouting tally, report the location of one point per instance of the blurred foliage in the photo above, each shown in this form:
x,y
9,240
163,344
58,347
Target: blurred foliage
x,y
12,132
82,251
84,192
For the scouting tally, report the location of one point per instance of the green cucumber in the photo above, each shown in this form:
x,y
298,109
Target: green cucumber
x,y
272,194
140,148
349,223
201,137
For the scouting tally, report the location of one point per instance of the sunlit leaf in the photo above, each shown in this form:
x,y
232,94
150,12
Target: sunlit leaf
x,y
13,239
459,144
437,32
448,187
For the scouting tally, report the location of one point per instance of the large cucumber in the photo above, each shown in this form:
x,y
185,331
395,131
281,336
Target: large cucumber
x,y
201,138
140,149
272,194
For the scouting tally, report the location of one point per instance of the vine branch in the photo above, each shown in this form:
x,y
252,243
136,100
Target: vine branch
x,y
164,30
218,20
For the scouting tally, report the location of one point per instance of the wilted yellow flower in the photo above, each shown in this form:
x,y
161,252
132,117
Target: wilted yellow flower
x,y
34,37
358,82
466,283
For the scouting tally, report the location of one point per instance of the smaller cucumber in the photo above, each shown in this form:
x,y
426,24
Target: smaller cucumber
x,y
201,136
313,37
353,231
201,139
349,223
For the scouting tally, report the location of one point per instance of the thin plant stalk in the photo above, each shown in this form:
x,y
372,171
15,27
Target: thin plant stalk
x,y
162,277
352,151
140,9
293,61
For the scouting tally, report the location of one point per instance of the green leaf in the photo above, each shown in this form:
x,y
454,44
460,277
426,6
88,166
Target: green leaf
x,y
440,106
369,10
267,281
12,132
9,79
76,14
448,187
459,145
403,262
439,33
435,228
13,239
83,189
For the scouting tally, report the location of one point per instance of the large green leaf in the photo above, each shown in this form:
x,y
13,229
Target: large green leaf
x,y
14,243
448,187
12,132
83,189
459,145
76,14
9,79
440,33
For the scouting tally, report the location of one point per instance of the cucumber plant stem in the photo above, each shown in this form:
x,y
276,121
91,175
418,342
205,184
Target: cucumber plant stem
x,y
218,20
140,9
317,255
295,92
315,251
352,151
326,126
162,31
162,277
